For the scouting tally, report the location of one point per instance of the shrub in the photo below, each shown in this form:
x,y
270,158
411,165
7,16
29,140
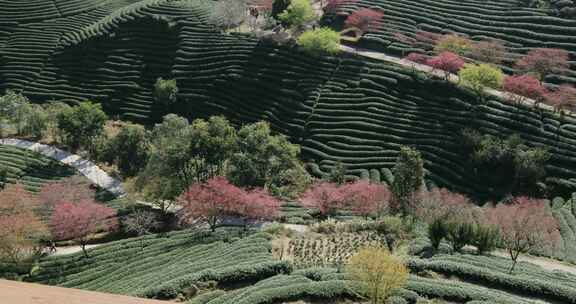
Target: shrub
x,y
459,234
480,76
166,90
298,13
453,44
437,232
320,41
486,238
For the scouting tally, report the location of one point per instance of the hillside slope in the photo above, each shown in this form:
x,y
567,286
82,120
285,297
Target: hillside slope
x,y
347,108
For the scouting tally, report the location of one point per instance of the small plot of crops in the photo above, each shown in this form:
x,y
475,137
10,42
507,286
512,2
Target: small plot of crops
x,y
328,250
163,265
527,279
30,168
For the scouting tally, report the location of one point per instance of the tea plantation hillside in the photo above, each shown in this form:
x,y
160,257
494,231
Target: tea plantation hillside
x,y
31,169
520,28
163,265
346,108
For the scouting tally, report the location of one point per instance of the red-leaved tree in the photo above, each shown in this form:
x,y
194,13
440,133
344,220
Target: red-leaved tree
x,y
524,86
365,198
258,205
447,62
217,198
365,19
73,189
77,221
326,197
562,98
525,225
442,204
544,62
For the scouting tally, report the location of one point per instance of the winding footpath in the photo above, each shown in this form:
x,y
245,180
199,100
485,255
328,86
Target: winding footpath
x,y
84,166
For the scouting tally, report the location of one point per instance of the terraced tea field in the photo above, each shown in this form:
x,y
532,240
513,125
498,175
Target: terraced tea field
x,y
30,168
350,109
163,265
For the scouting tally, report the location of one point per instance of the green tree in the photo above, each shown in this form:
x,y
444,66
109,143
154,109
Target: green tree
x,y
129,149
266,160
35,123
408,178
481,76
166,91
298,13
279,6
183,153
320,41
82,123
52,110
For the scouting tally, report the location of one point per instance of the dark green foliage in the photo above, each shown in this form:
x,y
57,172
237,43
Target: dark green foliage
x,y
437,231
408,178
279,6
166,91
268,161
80,124
129,149
508,164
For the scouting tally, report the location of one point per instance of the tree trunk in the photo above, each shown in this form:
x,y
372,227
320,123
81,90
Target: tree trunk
x,y
83,245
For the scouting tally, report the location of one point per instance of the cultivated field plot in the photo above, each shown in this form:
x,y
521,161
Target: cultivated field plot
x,y
521,28
349,109
163,265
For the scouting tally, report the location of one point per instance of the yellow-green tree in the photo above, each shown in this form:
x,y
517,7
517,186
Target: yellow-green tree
x,y
320,41
380,272
298,13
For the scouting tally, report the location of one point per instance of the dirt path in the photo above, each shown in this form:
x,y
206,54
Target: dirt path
x,y
73,249
546,263
84,166
26,293
451,77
